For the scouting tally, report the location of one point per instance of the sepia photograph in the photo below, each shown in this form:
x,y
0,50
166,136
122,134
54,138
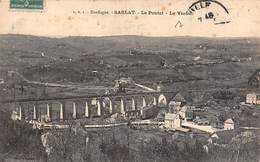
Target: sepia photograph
x,y
129,81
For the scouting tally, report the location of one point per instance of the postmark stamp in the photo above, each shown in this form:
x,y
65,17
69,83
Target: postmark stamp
x,y
210,10
26,4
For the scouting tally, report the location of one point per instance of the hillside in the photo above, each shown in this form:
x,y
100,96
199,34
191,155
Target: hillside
x,y
100,60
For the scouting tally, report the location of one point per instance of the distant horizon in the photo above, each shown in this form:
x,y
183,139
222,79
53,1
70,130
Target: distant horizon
x,y
185,36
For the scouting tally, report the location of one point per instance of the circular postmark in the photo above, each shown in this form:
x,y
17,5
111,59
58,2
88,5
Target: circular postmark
x,y
210,10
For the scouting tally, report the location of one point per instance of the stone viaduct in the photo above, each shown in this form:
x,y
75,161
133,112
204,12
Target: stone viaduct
x,y
88,106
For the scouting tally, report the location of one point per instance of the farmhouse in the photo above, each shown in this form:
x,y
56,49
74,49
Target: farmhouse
x,y
186,113
172,120
253,98
229,124
176,103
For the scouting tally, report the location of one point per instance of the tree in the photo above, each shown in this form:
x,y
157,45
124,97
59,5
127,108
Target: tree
x,y
114,150
17,138
245,147
67,144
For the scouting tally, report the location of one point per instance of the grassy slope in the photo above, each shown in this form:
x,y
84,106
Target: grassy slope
x,y
73,59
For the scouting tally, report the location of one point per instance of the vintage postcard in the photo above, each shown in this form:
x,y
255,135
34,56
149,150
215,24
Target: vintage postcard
x,y
129,80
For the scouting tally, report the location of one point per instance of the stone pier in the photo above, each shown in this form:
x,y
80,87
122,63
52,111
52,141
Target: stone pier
x,y
98,108
49,111
110,106
74,114
154,101
20,113
34,113
133,104
144,102
86,110
122,107
61,111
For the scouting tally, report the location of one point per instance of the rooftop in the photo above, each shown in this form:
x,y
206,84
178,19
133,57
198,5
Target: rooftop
x,y
170,116
229,121
178,98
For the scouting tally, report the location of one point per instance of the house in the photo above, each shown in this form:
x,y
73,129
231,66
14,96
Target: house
x,y
176,103
186,113
172,120
15,116
229,124
2,81
216,123
201,121
174,108
253,98
161,115
178,99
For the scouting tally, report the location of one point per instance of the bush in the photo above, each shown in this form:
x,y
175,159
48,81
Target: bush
x,y
17,138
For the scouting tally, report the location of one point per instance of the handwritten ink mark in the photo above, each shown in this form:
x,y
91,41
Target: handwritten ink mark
x,y
200,19
179,24
223,22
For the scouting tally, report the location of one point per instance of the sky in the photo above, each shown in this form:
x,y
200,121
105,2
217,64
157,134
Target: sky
x,y
62,18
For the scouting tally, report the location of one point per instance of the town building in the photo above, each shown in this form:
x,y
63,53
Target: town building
x,y
229,124
172,120
216,123
176,103
178,99
2,81
253,98
15,116
201,121
186,113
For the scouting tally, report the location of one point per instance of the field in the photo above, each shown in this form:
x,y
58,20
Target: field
x,y
197,62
